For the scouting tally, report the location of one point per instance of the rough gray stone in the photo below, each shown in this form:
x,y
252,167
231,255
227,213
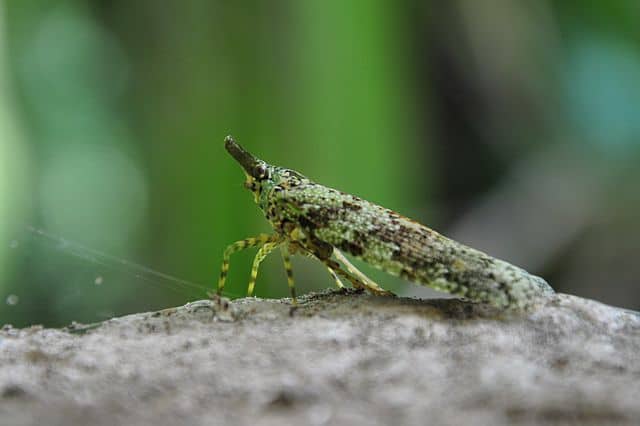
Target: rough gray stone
x,y
338,359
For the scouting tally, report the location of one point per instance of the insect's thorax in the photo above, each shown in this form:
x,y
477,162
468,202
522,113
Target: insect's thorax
x,y
268,192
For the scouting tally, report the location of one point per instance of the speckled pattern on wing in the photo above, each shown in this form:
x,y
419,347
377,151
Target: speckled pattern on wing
x,y
405,248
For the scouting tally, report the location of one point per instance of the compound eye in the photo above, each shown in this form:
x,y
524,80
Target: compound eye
x,y
260,172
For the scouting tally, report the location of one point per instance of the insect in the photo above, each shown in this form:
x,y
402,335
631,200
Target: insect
x,y
321,222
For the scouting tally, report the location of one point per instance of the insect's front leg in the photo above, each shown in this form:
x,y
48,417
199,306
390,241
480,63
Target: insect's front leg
x,y
266,248
260,240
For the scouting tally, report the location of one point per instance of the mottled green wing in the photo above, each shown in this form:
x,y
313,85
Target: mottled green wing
x,y
403,247
379,236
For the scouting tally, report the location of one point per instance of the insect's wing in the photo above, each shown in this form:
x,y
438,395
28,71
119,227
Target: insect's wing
x,y
379,236
403,247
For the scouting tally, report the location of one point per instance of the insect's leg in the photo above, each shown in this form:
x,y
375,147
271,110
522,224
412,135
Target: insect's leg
x,y
337,269
262,253
368,282
237,246
286,258
357,282
333,274
335,278
322,251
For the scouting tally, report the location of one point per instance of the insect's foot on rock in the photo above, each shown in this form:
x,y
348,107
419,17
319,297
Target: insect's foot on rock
x,y
222,302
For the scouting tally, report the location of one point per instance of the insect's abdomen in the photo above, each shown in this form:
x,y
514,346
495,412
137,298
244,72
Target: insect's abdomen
x,y
403,247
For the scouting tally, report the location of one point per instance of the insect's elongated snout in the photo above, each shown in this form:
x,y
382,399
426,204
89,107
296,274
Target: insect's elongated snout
x,y
248,162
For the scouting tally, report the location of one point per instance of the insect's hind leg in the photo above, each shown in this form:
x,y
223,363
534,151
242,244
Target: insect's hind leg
x,y
355,281
368,282
237,246
335,278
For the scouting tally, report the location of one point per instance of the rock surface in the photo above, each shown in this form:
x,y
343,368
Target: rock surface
x,y
339,358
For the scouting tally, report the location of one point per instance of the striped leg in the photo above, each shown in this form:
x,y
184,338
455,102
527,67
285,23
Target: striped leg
x,y
262,253
260,240
289,270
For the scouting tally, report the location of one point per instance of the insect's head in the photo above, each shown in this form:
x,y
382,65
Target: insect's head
x,y
257,171
254,167
261,177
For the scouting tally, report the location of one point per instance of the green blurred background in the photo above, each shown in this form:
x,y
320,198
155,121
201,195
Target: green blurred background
x,y
512,126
